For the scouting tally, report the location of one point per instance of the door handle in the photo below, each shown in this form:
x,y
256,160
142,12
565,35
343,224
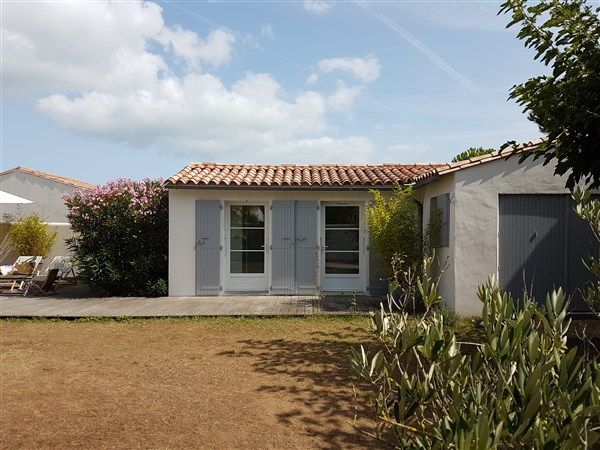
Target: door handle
x,y
200,241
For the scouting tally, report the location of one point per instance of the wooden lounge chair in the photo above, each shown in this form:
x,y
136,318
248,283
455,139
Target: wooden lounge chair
x,y
65,266
44,285
26,269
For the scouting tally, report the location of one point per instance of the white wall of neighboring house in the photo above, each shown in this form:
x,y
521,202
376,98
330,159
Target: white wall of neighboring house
x,y
182,223
47,197
45,194
473,251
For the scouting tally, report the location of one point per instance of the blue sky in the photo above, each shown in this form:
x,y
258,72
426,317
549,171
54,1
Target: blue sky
x,y
101,90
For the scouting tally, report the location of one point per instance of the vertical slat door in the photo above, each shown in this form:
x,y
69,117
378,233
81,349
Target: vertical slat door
x,y
208,247
306,228
282,247
541,246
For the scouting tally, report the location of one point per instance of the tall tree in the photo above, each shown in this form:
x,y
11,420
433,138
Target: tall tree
x,y
472,152
565,34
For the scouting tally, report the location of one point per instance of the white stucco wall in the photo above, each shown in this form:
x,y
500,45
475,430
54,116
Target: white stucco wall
x,y
473,251
444,256
45,194
47,203
182,223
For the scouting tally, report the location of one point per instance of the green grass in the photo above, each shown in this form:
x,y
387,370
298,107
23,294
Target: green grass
x,y
466,328
223,320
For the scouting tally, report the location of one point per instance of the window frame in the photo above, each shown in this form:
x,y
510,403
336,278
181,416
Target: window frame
x,y
231,251
441,203
357,251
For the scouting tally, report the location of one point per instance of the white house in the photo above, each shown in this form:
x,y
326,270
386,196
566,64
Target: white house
x,y
284,229
280,229
515,221
46,192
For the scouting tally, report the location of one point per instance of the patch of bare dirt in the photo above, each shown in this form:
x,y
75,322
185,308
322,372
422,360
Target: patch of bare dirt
x,y
211,383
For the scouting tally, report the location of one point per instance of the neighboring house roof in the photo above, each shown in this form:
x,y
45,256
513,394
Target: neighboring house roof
x,y
297,175
444,169
50,176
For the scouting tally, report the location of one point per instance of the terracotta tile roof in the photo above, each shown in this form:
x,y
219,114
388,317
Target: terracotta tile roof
x,y
443,169
50,176
297,175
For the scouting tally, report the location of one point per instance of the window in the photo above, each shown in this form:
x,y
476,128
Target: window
x,y
342,239
440,206
247,236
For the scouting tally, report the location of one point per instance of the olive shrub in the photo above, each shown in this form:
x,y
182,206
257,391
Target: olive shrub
x,y
520,387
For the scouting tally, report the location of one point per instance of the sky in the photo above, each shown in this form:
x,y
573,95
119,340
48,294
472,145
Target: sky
x,y
100,90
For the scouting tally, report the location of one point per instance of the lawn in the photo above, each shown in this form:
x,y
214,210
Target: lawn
x,y
214,382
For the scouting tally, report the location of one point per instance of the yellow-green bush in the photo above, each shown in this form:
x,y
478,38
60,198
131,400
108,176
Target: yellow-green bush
x,y
395,228
30,235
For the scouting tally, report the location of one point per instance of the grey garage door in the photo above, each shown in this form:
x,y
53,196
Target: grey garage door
x,y
541,245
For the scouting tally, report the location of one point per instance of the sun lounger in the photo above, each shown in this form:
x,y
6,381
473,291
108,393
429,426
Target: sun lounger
x,y
24,270
44,285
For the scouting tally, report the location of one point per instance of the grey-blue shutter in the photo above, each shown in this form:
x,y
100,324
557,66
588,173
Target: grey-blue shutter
x,y
208,247
282,247
306,246
443,205
378,285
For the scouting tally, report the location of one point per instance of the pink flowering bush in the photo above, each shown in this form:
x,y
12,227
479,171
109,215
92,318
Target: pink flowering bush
x,y
121,236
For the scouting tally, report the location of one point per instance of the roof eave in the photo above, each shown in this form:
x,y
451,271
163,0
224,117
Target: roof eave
x,y
385,187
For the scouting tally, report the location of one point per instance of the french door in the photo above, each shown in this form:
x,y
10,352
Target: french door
x,y
343,248
246,259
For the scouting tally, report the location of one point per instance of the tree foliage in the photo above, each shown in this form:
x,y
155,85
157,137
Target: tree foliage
x,y
521,387
589,210
395,228
121,236
565,104
30,235
472,152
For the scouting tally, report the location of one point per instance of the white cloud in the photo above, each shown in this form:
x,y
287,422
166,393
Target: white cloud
x,y
343,97
267,31
364,69
194,114
317,6
80,46
312,78
99,75
216,50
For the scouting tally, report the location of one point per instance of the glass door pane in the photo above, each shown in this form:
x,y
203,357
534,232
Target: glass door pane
x,y
247,239
341,262
342,234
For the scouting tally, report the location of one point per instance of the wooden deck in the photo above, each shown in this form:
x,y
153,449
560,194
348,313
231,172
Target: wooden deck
x,y
157,307
246,305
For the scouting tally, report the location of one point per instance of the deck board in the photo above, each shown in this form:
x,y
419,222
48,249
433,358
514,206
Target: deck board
x,y
227,305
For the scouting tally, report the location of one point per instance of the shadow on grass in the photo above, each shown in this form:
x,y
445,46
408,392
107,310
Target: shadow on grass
x,y
345,303
322,386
